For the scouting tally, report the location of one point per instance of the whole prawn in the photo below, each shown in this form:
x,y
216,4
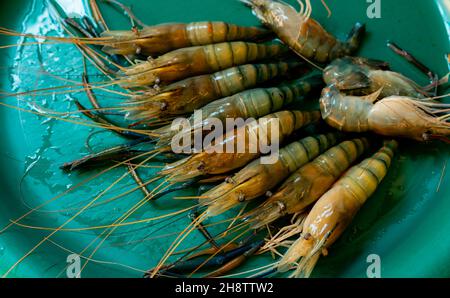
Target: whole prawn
x,y
213,162
252,103
258,178
192,61
161,39
395,116
193,93
360,76
308,183
301,33
334,211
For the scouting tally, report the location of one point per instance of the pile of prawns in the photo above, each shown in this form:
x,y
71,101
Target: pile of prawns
x,y
319,181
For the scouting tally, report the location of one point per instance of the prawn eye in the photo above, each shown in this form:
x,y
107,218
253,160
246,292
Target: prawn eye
x,y
163,106
307,236
282,207
241,197
201,167
427,135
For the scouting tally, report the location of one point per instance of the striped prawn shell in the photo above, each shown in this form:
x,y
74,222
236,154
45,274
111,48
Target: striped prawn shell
x,y
193,61
223,55
259,102
191,94
239,78
160,39
334,211
212,162
364,178
347,195
290,121
297,154
257,178
310,181
203,33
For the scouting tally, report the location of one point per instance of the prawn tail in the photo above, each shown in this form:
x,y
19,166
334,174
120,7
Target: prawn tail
x,y
355,37
352,44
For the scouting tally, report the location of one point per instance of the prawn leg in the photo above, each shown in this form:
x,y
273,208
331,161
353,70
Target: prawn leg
x,y
137,178
86,28
202,229
121,152
237,261
434,78
226,261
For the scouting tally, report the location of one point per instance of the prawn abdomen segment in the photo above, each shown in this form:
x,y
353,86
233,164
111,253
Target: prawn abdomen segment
x,y
227,54
364,178
313,41
236,79
346,113
202,33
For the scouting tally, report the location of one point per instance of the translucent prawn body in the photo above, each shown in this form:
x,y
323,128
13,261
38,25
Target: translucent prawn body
x,y
394,116
360,76
301,33
334,211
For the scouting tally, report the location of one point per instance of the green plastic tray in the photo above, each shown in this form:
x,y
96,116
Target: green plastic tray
x,y
406,222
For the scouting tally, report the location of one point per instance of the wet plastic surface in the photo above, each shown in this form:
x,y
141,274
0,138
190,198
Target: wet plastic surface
x,y
406,222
